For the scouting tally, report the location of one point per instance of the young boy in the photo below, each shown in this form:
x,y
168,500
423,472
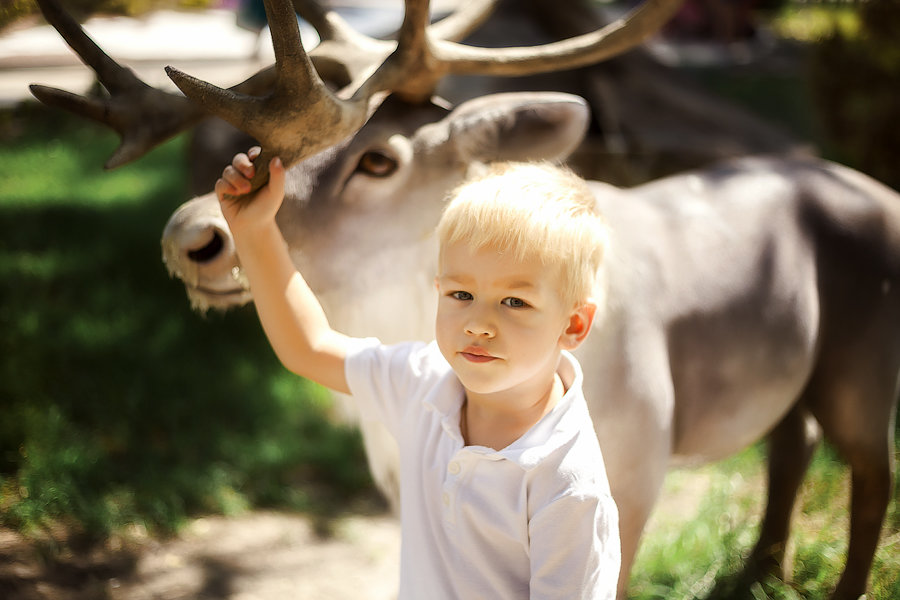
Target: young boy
x,y
503,488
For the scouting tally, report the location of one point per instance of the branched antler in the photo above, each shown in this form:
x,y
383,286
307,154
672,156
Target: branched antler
x,y
291,109
616,38
299,117
142,115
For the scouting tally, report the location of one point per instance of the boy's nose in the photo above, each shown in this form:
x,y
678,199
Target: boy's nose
x,y
479,321
479,329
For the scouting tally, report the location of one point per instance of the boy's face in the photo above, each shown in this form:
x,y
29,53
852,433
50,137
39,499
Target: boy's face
x,y
501,322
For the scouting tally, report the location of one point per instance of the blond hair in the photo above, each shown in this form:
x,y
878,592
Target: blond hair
x,y
534,211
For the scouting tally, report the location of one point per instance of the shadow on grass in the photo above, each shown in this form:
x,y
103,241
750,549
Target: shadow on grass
x,y
119,405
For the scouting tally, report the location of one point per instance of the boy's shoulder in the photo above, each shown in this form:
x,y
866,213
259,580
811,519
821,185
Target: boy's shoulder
x,y
571,457
405,367
575,468
407,354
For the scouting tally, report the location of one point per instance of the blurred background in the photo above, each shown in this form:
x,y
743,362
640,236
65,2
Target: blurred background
x,y
126,415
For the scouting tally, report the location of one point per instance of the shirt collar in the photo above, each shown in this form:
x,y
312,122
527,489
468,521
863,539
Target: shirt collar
x,y
555,429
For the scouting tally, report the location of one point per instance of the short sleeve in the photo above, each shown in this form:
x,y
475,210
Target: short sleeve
x,y
575,548
382,378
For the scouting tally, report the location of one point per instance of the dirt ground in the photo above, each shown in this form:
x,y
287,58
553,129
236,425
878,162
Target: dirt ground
x,y
256,556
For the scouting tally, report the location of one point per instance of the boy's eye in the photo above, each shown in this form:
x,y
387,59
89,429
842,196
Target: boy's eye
x,y
461,295
515,302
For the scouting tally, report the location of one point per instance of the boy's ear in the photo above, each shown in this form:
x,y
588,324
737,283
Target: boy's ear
x,y
579,325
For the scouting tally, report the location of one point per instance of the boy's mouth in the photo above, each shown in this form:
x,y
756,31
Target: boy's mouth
x,y
477,354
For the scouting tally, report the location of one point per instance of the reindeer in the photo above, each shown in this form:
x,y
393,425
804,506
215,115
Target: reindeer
x,y
755,298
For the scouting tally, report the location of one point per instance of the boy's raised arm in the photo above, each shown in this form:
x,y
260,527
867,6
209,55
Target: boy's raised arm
x,y
291,315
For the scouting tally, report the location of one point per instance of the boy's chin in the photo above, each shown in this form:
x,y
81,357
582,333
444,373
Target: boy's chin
x,y
480,385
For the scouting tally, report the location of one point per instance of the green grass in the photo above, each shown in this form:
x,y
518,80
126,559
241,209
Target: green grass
x,y
707,521
119,405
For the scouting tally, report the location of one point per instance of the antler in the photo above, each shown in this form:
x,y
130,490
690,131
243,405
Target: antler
x,y
291,110
616,38
301,116
143,116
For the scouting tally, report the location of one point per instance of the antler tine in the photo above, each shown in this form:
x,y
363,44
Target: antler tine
x,y
127,115
415,21
299,118
316,16
143,116
411,71
295,71
343,54
615,38
463,21
406,67
110,73
290,60
422,60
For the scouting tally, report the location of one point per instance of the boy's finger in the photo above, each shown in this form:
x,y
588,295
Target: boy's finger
x,y
254,152
236,180
223,187
244,164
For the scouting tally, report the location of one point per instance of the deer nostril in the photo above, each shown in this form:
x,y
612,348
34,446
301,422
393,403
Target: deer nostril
x,y
209,251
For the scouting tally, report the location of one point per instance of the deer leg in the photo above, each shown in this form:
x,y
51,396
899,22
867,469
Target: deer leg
x,y
857,416
870,495
636,438
633,516
791,445
869,452
638,459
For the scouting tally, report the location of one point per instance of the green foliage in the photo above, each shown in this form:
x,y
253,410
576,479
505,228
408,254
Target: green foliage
x,y
855,75
14,10
120,405
811,23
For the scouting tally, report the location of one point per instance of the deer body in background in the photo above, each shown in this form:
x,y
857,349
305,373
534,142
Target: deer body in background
x,y
754,298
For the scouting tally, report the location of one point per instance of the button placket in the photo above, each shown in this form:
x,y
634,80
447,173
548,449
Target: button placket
x,y
450,492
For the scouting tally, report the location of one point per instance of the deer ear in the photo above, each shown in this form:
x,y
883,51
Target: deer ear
x,y
518,126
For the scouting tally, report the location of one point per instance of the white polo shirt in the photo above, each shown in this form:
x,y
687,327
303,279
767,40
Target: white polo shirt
x,y
534,520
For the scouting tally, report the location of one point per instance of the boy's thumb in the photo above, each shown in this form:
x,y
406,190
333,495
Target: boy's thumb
x,y
276,172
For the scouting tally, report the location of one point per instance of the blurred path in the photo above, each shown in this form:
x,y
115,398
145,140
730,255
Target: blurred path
x,y
252,556
260,555
206,44
268,556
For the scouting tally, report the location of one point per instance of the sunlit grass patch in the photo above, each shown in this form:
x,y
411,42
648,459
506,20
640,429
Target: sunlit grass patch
x,y
707,522
704,520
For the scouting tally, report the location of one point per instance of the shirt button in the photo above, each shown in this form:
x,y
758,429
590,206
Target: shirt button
x,y
446,499
453,467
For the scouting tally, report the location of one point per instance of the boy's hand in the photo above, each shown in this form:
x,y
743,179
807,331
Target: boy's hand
x,y
259,210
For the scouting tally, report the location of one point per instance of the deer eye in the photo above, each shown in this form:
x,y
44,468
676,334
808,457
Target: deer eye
x,y
376,164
